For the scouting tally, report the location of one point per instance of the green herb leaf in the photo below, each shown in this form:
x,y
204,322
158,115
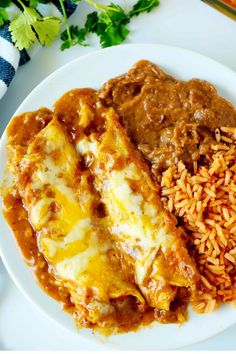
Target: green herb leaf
x,y
22,34
34,3
77,36
47,28
113,35
109,22
3,16
143,6
91,22
5,3
112,26
114,14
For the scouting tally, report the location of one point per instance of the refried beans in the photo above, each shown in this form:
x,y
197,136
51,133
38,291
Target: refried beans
x,y
167,119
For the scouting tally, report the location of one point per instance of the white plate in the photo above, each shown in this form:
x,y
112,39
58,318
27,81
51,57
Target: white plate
x,y
91,71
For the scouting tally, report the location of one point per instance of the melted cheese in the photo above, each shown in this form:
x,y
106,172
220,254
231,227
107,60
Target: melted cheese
x,y
86,145
86,115
48,175
85,262
137,219
40,213
127,201
132,217
74,267
75,239
130,222
60,209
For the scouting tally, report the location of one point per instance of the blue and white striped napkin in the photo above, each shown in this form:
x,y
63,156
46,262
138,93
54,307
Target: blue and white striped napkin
x,y
10,57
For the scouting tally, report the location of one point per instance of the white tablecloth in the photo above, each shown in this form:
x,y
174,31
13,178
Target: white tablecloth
x,y
189,24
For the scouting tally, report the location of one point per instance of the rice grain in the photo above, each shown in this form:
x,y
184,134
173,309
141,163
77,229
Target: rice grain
x,y
205,200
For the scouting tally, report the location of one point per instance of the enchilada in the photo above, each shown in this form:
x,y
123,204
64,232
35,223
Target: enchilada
x,y
61,205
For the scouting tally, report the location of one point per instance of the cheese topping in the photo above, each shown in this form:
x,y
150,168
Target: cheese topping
x,y
60,205
137,220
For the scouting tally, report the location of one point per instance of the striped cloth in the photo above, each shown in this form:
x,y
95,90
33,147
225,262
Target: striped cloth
x,y
10,57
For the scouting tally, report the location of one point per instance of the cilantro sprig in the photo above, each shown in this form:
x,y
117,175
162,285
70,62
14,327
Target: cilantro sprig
x,y
29,25
108,22
143,6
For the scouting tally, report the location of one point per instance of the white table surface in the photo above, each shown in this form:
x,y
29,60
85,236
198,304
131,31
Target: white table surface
x,y
189,24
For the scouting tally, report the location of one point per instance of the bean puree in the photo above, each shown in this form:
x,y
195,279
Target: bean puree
x,y
168,120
